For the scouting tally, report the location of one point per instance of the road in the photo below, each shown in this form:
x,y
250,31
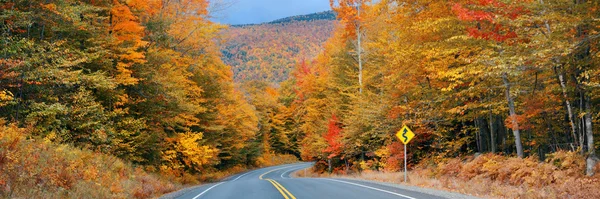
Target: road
x,y
275,182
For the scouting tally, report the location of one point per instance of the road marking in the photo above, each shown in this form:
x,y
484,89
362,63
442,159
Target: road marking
x,y
198,196
393,193
280,188
261,176
243,175
284,189
291,170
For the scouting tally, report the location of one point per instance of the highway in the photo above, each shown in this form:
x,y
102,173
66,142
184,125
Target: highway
x,y
275,182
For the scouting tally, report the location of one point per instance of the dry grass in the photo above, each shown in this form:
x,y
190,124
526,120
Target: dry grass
x,y
40,169
495,176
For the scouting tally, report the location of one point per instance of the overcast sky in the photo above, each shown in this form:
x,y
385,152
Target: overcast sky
x,y
258,11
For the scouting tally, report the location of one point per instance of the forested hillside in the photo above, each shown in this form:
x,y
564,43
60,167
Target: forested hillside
x,y
139,80
327,15
269,51
518,78
133,97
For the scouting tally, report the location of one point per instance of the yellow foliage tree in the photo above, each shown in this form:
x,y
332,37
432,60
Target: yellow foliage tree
x,y
186,152
128,31
5,96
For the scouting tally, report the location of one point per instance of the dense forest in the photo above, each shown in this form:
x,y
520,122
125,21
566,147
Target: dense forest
x,y
511,77
157,86
139,80
269,51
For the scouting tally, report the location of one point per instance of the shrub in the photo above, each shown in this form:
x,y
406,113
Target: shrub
x,y
40,169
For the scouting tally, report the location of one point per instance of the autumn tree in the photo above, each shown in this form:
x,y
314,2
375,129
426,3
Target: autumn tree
x,y
349,13
492,25
141,80
333,138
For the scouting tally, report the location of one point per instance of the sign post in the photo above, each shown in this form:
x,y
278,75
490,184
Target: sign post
x,y
405,135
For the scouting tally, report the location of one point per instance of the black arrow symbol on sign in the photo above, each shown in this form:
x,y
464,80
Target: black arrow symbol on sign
x,y
404,135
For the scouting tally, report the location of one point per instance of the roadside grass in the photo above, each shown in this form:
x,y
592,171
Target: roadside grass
x,y
494,176
41,169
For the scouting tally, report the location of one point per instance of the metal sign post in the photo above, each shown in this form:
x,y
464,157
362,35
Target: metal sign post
x,y
405,163
405,135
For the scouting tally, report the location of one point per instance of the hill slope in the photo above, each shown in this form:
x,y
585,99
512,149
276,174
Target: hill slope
x,y
327,15
269,51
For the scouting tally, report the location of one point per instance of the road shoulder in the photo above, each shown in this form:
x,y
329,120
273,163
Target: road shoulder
x,y
435,192
181,192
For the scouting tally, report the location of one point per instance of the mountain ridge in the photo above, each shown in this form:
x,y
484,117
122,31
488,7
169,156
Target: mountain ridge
x,y
270,51
328,15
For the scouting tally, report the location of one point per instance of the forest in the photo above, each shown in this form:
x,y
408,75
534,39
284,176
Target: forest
x,y
155,86
269,52
510,77
139,80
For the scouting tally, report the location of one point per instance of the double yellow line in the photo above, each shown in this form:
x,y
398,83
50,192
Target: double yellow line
x,y
284,192
281,189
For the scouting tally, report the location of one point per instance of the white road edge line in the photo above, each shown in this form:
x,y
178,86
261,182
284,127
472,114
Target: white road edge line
x,y
277,169
282,177
393,193
249,173
291,170
198,196
243,175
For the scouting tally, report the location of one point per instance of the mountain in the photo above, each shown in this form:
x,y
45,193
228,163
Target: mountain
x,y
326,15
270,50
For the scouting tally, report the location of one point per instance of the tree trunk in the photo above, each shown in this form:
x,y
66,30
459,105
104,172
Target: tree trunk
x,y
484,145
478,135
563,87
591,159
347,164
492,137
513,116
329,164
582,120
359,49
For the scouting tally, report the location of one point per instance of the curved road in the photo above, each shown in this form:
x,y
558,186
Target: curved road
x,y
275,182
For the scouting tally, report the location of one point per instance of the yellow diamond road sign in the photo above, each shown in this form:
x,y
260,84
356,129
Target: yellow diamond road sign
x,y
405,135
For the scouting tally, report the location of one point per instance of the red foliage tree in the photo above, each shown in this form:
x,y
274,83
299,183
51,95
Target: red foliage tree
x,y
333,137
488,26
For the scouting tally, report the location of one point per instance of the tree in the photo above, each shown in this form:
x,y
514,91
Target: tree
x,y
333,138
349,13
127,30
490,27
141,80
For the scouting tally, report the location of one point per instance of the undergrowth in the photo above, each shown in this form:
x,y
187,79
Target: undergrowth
x,y
40,169
561,175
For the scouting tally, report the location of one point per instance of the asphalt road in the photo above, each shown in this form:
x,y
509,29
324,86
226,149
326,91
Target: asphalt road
x,y
275,182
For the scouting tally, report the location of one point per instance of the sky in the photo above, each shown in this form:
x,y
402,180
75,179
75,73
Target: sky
x,y
259,11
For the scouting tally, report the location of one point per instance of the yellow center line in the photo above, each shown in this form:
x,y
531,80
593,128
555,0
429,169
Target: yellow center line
x,y
284,189
261,176
277,187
